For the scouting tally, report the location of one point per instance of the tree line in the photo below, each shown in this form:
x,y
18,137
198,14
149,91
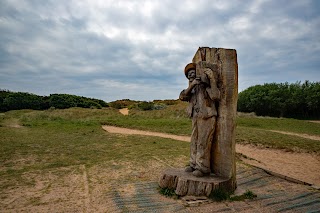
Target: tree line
x,y
295,100
21,100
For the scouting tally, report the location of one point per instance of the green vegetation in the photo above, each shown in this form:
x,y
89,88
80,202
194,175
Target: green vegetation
x,y
171,119
281,124
145,105
74,125
258,131
221,195
52,139
276,140
21,100
124,103
247,195
142,105
46,148
282,100
42,140
168,192
250,130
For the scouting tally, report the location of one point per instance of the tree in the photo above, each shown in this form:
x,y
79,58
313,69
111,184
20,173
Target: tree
x,y
282,100
21,100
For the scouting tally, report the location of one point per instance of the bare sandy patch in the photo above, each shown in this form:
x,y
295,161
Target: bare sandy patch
x,y
58,190
15,126
124,111
13,123
301,166
311,137
318,122
126,131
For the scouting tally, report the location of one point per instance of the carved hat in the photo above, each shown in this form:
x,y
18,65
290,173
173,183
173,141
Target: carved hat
x,y
191,66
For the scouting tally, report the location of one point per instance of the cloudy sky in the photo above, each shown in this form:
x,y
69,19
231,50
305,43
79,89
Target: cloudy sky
x,y
138,49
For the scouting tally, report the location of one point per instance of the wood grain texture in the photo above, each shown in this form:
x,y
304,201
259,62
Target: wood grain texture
x,y
223,148
222,155
185,183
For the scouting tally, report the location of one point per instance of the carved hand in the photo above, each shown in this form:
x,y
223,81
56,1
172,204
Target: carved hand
x,y
209,73
195,82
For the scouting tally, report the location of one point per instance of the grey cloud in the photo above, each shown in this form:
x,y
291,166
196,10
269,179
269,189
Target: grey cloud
x,y
138,49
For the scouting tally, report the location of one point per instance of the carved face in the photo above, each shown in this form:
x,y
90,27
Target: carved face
x,y
191,74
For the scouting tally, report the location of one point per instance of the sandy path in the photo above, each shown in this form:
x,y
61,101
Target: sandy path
x,y
124,111
311,137
301,166
119,130
318,122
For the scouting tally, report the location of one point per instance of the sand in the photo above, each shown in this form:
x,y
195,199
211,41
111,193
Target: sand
x,y
124,111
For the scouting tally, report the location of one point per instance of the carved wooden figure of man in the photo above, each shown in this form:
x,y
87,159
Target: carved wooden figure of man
x,y
202,95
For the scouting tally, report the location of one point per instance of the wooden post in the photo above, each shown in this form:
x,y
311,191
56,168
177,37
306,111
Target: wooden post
x,y
223,149
223,164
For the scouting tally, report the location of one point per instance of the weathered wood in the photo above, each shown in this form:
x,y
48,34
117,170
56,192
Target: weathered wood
x,y
213,124
185,183
223,149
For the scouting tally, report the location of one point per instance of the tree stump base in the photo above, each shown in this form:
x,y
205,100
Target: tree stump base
x,y
184,183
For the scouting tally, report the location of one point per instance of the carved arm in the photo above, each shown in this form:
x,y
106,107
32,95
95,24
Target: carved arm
x,y
185,94
213,90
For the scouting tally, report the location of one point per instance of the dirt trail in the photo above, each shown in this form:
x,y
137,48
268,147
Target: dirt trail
x,y
124,111
311,137
318,122
301,166
119,130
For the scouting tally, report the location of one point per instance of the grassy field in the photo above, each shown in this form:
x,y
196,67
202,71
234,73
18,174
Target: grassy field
x,y
47,139
250,129
281,124
38,146
54,138
48,153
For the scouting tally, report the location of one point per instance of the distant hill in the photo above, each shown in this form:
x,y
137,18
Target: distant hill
x,y
22,100
143,105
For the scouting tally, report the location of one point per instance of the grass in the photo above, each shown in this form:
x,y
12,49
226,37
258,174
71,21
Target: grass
x,y
53,139
62,138
247,195
216,195
171,120
281,124
78,133
58,145
168,192
219,195
245,135
250,130
222,195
